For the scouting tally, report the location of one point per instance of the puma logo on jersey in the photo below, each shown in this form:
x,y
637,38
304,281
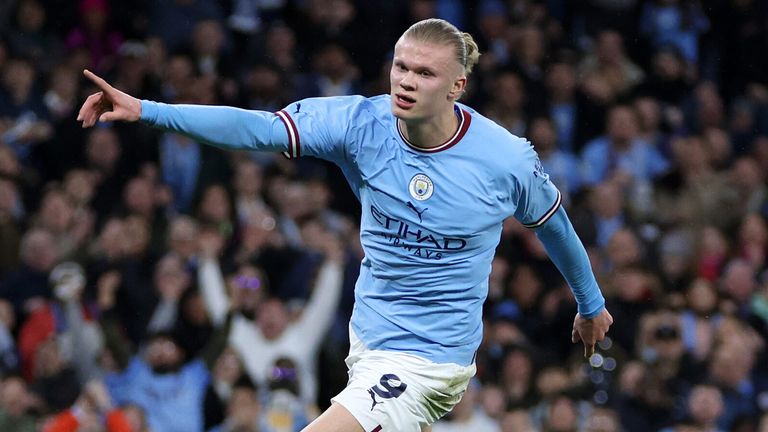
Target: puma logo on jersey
x,y
373,397
389,387
419,213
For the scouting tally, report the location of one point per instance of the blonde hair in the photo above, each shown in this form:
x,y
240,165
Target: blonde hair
x,y
440,31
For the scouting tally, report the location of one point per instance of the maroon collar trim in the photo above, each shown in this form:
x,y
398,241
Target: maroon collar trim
x,y
465,118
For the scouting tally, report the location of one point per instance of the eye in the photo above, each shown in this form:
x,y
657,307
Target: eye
x,y
426,74
400,67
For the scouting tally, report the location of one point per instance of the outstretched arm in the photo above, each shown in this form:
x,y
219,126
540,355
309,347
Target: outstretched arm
x,y
225,127
567,252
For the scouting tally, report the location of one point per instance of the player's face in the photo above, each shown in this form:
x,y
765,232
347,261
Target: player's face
x,y
425,79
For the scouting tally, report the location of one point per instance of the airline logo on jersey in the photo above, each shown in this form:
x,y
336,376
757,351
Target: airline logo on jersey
x,y
421,187
413,239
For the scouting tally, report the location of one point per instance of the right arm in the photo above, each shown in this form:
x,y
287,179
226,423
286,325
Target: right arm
x,y
315,127
225,127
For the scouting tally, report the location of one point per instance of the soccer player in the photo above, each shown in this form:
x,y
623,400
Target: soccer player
x,y
435,180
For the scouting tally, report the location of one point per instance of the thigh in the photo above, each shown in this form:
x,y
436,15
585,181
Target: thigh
x,y
335,419
398,392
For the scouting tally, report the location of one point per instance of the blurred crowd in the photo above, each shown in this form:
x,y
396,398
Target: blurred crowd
x,y
152,283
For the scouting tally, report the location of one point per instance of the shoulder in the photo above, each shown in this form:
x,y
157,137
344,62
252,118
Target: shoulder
x,y
348,110
494,140
345,103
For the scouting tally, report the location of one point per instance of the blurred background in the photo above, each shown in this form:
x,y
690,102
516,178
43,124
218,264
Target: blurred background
x,y
151,283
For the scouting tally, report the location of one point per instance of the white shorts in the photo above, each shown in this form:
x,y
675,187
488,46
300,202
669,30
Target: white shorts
x,y
394,392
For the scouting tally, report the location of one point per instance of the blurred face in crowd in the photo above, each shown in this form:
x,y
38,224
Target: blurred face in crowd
x,y
193,310
248,178
739,281
624,247
493,400
38,250
603,420
246,288
14,396
264,82
183,235
524,286
509,92
294,200
179,73
215,206
746,173
730,365
281,39
136,236
9,197
561,80
170,269
562,415
103,149
753,229
94,14
48,359
138,197
425,80
9,164
610,47
228,367
273,318
517,421
18,78
702,297
30,16
111,238
543,136
667,65
259,229
531,48
649,113
163,355
517,367
56,212
551,381
208,37
689,153
605,200
333,61
622,125
79,186
243,408
705,404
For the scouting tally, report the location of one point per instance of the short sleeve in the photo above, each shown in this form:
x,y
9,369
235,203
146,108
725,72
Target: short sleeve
x,y
319,126
537,197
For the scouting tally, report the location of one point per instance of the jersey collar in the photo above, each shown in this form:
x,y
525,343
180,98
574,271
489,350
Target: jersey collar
x,y
465,118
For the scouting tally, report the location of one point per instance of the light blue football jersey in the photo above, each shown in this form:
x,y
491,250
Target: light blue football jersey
x,y
431,219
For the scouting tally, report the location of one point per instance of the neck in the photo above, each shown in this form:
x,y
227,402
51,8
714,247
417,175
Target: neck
x,y
431,132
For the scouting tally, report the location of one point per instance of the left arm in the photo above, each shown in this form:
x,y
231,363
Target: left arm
x,y
567,252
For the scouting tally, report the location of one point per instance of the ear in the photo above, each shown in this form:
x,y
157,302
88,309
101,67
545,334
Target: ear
x,y
459,85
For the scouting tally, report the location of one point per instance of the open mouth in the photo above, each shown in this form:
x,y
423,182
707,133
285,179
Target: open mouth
x,y
404,101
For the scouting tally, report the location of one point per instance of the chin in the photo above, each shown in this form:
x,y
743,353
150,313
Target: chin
x,y
401,113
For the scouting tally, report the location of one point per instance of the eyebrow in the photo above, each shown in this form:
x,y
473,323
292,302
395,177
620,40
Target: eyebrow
x,y
419,68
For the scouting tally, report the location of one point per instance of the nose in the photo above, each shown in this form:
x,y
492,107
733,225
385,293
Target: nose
x,y
407,82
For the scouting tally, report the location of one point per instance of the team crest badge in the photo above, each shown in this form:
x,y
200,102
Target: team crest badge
x,y
421,187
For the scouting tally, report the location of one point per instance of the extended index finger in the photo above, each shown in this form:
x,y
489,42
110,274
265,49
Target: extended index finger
x,y
589,349
99,81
